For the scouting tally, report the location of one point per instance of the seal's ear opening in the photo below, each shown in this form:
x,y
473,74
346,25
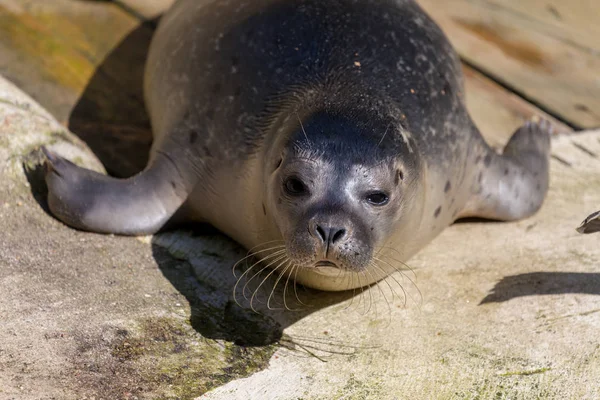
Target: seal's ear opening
x,y
278,163
399,176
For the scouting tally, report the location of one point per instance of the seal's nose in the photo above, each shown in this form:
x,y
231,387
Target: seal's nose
x,y
327,234
330,234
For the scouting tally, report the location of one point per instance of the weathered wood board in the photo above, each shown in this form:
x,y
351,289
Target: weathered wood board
x,y
549,51
52,48
498,112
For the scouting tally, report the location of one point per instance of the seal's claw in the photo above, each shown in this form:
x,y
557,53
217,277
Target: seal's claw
x,y
59,167
49,154
51,159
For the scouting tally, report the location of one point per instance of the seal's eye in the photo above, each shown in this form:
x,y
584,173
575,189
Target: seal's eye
x,y
378,198
295,186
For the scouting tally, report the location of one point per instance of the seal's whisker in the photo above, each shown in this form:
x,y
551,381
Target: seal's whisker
x,y
287,263
265,258
368,289
290,266
392,291
372,291
363,288
384,133
351,284
407,277
249,255
237,282
399,285
258,246
382,292
302,126
273,270
277,257
396,251
362,293
296,286
397,269
276,260
372,296
266,243
386,273
398,260
402,271
404,294
356,289
293,268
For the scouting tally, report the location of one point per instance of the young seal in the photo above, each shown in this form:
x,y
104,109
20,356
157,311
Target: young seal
x,y
336,128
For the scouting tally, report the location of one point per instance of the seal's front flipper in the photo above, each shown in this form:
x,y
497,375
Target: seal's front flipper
x,y
87,200
513,185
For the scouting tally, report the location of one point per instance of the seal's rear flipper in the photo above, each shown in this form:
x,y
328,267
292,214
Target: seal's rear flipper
x,y
513,185
87,200
591,224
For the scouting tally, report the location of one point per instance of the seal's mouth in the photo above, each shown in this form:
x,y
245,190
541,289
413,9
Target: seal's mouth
x,y
327,268
325,264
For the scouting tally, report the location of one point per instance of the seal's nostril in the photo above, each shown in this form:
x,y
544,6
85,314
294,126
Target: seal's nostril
x,y
330,235
338,235
322,234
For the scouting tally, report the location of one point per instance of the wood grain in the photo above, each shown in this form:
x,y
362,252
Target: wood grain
x,y
51,48
498,112
556,63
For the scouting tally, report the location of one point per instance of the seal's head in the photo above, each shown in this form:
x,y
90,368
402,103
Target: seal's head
x,y
339,188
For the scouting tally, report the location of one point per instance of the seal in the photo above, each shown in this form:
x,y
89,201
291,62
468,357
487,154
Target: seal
x,y
330,134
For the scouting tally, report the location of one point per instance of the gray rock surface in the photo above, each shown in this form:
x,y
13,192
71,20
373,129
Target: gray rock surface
x,y
97,316
487,311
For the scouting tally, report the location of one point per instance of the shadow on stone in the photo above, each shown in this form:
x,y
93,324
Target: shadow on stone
x,y
199,266
33,168
543,283
110,116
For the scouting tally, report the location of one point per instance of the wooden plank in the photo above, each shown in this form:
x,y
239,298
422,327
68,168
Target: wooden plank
x,y
576,22
83,61
556,67
498,112
52,48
